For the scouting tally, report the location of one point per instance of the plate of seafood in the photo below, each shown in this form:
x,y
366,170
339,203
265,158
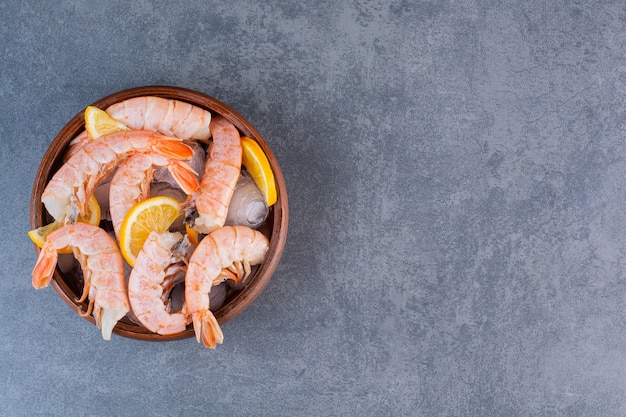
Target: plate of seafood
x,y
158,213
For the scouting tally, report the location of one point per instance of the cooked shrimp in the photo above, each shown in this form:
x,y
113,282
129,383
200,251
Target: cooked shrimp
x,y
131,182
67,193
102,266
225,254
219,178
168,117
159,261
76,144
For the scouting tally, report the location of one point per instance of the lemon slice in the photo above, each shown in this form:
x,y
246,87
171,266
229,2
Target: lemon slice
x,y
93,212
154,214
39,235
99,123
258,166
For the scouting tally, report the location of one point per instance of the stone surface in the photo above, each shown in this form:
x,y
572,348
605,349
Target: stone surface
x,y
455,173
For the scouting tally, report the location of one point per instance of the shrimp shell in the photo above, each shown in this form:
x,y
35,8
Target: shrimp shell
x,y
219,178
225,254
166,116
66,195
102,266
131,182
146,286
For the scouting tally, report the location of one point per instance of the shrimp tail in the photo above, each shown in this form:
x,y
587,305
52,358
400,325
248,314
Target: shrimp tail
x,y
207,329
173,148
184,175
106,319
44,268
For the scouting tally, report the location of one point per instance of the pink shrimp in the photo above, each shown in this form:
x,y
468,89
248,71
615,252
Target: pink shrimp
x,y
131,182
219,178
67,193
76,144
225,254
102,267
168,117
158,263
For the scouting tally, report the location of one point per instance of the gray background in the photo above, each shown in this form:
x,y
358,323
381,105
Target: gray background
x,y
455,172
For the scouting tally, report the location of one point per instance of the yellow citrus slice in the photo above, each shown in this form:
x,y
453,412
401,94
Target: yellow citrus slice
x,y
154,214
255,161
38,235
99,123
93,212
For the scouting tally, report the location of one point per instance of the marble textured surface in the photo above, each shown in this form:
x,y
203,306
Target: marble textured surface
x,y
455,172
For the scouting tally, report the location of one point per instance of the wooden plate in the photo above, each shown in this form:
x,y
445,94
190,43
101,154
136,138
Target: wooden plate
x,y
69,286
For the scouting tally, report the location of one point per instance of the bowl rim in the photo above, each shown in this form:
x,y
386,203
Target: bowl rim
x,y
280,209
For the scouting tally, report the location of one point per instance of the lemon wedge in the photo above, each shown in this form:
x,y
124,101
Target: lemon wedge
x,y
154,214
39,235
99,123
255,161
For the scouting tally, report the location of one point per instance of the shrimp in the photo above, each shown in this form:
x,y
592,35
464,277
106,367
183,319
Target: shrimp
x,y
67,193
219,178
168,117
225,254
131,182
158,264
76,144
102,266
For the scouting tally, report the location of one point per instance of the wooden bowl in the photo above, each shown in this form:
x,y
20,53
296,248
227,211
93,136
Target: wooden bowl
x,y
69,286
